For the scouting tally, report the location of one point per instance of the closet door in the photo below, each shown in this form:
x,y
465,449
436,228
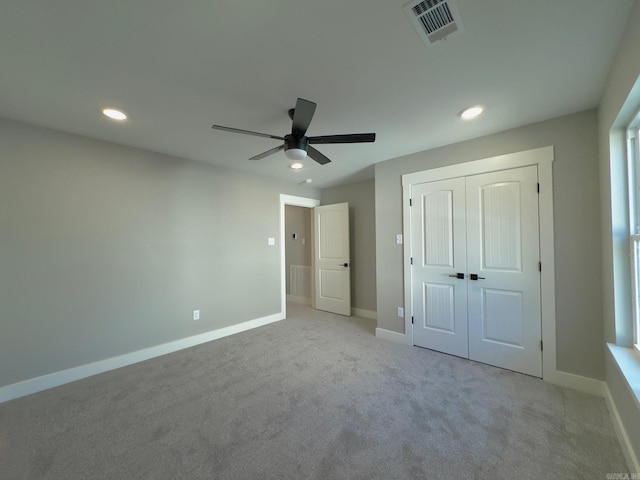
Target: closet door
x,y
438,249
503,263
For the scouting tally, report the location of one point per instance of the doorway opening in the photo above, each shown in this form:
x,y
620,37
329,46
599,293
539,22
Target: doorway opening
x,y
307,204
298,254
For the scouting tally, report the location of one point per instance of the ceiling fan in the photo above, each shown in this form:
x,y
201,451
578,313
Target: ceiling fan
x,y
296,144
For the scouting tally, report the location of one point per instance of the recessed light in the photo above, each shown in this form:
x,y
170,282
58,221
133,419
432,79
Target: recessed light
x,y
296,166
471,112
114,114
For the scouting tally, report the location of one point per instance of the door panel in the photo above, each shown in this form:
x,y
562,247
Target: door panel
x,y
332,259
332,283
503,251
501,228
439,307
437,226
503,317
439,253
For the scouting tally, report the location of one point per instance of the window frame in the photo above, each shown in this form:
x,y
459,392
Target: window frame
x,y
633,169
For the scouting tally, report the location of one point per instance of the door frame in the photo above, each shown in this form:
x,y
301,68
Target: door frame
x,y
541,157
296,202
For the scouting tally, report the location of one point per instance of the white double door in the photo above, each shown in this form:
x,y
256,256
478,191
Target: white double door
x,y
476,272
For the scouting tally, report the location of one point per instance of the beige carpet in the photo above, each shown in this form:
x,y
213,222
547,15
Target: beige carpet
x,y
315,396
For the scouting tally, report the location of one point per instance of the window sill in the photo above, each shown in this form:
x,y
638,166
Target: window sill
x,y
628,361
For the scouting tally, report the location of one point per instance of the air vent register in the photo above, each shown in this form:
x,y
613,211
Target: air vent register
x,y
434,19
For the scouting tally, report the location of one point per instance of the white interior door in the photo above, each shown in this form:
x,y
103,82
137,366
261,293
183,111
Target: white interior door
x,y
439,264
503,252
332,259
484,229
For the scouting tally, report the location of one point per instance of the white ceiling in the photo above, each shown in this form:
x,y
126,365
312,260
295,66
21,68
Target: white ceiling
x,y
178,67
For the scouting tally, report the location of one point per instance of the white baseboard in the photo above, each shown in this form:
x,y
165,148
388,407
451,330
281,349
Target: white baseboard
x,y
632,460
298,299
392,336
578,382
360,312
37,384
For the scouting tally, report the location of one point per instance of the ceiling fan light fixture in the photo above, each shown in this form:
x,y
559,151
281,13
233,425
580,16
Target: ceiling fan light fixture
x,y
471,112
296,154
295,147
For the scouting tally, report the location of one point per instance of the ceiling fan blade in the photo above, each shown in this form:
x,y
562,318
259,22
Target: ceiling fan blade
x,y
268,152
246,132
317,156
348,138
302,115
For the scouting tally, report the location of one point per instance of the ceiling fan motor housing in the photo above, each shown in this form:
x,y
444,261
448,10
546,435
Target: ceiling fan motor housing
x,y
291,141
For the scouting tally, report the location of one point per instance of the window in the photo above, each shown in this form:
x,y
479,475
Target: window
x,y
633,155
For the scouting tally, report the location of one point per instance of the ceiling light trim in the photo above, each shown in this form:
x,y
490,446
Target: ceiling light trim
x,y
114,114
470,113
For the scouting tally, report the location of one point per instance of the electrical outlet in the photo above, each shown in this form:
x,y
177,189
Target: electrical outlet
x,y
401,312
271,241
196,314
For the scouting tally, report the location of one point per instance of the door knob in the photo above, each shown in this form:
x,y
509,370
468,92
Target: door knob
x,y
344,264
458,275
474,276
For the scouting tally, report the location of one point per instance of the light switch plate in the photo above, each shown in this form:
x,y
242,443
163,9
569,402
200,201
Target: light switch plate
x,y
399,239
271,241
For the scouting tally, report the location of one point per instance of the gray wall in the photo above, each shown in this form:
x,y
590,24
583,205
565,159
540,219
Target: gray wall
x,y
620,101
105,249
361,199
298,221
577,229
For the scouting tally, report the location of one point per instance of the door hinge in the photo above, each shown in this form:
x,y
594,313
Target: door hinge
x,y
411,260
539,266
538,188
541,346
410,202
411,319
